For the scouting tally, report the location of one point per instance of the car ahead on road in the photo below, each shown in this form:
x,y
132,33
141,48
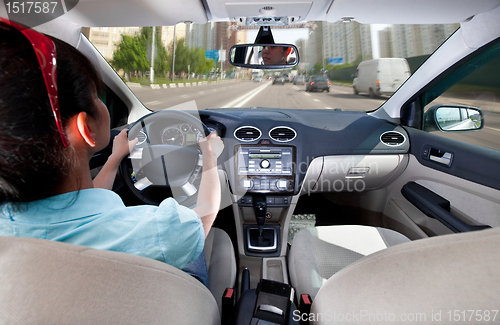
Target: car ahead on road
x,y
407,190
279,80
318,82
380,76
299,80
257,79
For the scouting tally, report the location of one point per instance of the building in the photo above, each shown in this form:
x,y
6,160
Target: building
x,y
167,34
350,41
404,41
314,46
201,36
215,36
384,38
106,39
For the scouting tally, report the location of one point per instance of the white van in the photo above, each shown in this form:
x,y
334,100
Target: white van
x,y
380,76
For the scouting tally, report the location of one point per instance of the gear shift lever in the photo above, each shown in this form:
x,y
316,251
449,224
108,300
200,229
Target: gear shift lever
x,y
259,239
260,209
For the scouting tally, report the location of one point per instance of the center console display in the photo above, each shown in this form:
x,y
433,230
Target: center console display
x,y
265,168
265,161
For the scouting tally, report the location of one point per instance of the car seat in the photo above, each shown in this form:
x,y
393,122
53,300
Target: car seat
x,y
450,279
47,282
317,253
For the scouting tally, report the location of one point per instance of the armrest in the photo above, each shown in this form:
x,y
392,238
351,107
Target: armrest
x,y
436,207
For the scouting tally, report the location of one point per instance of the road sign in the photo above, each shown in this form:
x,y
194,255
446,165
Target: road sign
x,y
337,60
212,55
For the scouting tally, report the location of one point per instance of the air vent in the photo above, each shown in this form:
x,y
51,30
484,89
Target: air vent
x,y
392,138
141,136
247,133
282,134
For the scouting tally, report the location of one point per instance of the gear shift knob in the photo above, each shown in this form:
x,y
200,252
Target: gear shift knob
x,y
260,209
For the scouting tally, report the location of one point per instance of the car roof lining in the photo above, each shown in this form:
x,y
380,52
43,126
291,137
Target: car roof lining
x,y
136,13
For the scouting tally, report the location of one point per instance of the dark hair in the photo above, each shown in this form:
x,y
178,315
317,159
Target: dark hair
x,y
33,160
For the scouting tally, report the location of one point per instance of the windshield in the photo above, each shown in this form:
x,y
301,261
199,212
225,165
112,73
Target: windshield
x,y
358,66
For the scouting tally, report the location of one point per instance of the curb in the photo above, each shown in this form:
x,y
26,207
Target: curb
x,y
179,85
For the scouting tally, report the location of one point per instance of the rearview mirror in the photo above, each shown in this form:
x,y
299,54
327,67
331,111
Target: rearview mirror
x,y
264,56
453,118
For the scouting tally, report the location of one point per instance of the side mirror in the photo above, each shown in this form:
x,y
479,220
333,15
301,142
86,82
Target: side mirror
x,y
264,56
453,118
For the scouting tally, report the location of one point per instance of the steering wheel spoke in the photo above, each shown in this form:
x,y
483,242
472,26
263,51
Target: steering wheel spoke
x,y
162,165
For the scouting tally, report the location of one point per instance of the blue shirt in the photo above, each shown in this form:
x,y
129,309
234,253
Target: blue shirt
x,y
98,218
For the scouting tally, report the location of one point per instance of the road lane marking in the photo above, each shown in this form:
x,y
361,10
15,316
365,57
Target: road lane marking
x,y
152,103
242,100
201,92
316,100
328,108
307,94
487,127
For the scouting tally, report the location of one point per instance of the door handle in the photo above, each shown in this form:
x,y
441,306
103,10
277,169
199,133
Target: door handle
x,y
440,156
445,159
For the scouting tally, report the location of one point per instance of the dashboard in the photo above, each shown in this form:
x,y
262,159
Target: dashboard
x,y
281,152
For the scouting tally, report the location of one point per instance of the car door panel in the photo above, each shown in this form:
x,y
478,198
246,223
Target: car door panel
x,y
477,164
471,185
436,207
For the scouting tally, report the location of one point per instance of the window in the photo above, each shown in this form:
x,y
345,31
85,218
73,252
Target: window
x,y
474,84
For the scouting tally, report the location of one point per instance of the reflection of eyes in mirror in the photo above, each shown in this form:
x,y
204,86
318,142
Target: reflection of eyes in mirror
x,y
275,54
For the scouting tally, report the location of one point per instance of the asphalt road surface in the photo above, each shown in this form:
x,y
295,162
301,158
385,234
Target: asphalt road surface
x,y
255,94
245,93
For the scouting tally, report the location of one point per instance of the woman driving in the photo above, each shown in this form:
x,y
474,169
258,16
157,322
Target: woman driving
x,y
51,124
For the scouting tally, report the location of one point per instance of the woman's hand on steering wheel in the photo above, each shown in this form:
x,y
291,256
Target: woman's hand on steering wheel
x,y
122,146
211,145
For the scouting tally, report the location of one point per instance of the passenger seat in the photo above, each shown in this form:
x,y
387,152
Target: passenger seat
x,y
317,253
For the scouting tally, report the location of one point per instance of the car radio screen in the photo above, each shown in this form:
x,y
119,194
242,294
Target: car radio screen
x,y
265,156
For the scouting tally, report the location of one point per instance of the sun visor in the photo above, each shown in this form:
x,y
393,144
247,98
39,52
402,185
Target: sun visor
x,y
136,13
407,11
481,29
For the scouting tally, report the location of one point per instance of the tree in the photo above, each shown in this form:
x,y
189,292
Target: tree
x,y
194,57
130,55
317,67
201,65
182,59
161,65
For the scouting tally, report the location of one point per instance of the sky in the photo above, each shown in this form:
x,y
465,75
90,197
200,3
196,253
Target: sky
x,y
292,35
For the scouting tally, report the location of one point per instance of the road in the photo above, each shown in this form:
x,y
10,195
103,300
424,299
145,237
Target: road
x,y
255,94
247,93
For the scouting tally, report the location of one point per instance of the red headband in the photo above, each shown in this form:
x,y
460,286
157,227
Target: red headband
x,y
45,51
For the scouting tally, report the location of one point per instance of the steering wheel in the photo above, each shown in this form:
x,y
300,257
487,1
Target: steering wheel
x,y
170,166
